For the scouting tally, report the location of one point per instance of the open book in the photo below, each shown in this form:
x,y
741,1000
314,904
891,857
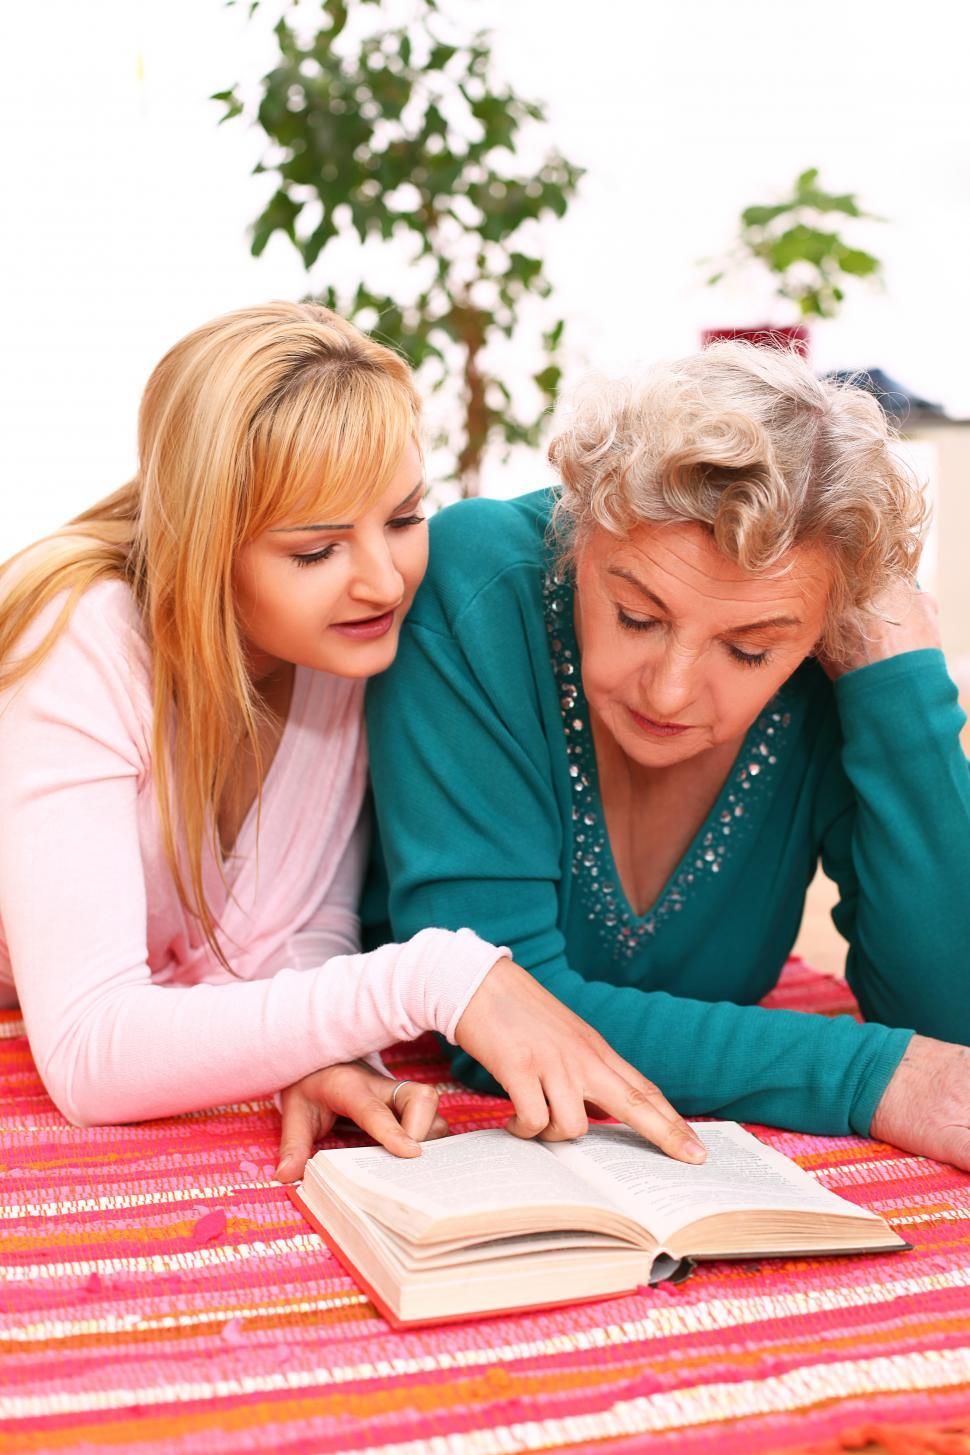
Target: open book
x,y
483,1222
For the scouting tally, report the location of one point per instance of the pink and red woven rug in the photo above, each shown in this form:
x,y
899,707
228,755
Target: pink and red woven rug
x,y
160,1294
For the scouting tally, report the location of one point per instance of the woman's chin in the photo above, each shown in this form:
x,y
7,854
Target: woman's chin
x,y
663,755
361,659
657,750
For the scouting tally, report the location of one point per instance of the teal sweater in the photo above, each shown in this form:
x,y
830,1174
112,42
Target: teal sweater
x,y
489,816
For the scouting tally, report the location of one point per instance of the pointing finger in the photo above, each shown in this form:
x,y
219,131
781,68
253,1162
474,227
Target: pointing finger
x,y
647,1111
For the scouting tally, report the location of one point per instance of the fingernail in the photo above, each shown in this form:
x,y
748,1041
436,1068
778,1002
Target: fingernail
x,y
695,1147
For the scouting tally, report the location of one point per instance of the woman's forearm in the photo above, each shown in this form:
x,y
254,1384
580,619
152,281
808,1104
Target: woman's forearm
x,y
904,849
133,1050
806,1072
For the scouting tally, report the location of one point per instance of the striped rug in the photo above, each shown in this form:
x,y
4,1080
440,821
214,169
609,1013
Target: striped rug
x,y
160,1294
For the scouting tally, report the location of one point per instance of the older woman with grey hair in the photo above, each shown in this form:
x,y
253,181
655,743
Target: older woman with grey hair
x,y
630,715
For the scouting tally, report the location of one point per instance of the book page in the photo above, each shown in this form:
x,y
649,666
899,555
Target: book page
x,y
476,1172
462,1251
663,1195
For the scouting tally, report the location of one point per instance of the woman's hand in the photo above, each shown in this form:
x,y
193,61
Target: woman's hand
x,y
903,619
363,1095
926,1106
555,1067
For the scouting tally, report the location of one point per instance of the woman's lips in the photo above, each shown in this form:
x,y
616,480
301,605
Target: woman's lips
x,y
366,628
658,729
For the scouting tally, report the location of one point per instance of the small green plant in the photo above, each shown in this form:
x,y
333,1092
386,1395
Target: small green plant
x,y
399,141
795,241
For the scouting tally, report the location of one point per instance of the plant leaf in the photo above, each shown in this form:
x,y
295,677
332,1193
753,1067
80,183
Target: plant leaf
x,y
761,216
365,131
858,263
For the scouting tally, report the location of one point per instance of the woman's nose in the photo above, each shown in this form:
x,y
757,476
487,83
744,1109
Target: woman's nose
x,y
377,579
670,683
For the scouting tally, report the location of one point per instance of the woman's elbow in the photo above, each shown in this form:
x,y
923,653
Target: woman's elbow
x,y
83,1101
920,1008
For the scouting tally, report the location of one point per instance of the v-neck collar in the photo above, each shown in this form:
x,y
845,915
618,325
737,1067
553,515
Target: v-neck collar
x,y
593,864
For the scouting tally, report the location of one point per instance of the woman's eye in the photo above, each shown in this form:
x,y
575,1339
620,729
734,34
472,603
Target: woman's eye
x,y
635,623
314,556
748,659
403,521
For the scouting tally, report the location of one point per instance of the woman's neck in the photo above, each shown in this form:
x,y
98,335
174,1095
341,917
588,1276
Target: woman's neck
x,y
274,689
275,696
652,814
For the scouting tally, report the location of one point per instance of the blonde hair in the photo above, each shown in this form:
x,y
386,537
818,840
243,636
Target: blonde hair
x,y
749,443
267,415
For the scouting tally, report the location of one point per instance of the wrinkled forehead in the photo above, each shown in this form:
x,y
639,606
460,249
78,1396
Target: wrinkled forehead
x,y
682,565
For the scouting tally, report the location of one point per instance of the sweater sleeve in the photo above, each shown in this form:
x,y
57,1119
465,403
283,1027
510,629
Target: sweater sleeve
x,y
895,836
110,1044
471,833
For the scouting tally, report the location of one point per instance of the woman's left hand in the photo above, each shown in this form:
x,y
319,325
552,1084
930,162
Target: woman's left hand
x,y
364,1096
903,619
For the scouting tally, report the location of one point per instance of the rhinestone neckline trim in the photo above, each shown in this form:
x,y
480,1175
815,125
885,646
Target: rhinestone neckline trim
x,y
730,819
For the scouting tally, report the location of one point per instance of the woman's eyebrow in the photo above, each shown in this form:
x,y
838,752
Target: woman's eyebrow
x,y
644,590
766,625
418,490
292,529
734,631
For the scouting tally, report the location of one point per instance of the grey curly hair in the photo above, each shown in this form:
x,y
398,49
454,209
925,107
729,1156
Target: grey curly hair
x,y
748,442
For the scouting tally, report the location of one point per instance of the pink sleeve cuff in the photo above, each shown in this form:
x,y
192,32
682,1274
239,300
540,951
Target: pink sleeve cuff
x,y
477,958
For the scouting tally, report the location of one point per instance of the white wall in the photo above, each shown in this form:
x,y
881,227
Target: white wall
x,y
126,206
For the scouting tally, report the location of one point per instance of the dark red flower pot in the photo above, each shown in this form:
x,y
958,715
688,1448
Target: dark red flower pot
x,y
795,337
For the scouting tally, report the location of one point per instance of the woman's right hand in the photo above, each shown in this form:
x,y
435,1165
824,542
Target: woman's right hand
x,y
555,1067
926,1106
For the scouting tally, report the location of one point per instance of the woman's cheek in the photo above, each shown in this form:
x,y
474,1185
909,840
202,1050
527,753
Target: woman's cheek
x,y
415,563
744,693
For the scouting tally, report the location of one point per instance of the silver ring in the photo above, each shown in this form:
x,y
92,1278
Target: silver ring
x,y
397,1087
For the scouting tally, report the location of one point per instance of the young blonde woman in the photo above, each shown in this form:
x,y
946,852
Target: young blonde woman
x,y
182,769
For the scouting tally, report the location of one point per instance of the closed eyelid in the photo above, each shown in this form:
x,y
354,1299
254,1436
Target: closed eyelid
x,y
765,642
749,659
635,622
310,558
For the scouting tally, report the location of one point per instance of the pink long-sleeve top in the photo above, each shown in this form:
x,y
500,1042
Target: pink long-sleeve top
x,y
129,1013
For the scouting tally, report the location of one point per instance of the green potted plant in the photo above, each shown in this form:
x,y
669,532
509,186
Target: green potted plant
x,y
797,241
